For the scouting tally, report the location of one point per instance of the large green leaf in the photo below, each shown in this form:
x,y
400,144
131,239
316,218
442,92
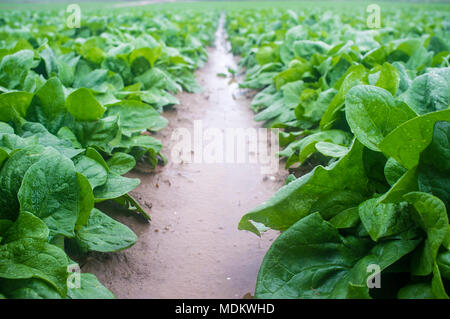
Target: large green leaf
x,y
49,106
36,131
389,78
115,186
11,142
434,166
121,163
50,190
14,105
83,106
26,254
432,217
393,171
32,288
12,173
99,134
372,113
14,68
94,171
312,260
87,200
104,234
443,261
135,116
407,141
90,288
428,93
355,75
332,189
382,220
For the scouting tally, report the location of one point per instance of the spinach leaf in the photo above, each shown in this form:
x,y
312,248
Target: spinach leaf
x,y
104,234
26,254
335,188
12,173
432,216
50,190
312,260
434,165
418,132
90,288
372,113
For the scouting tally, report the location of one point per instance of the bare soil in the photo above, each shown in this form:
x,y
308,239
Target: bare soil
x,y
192,248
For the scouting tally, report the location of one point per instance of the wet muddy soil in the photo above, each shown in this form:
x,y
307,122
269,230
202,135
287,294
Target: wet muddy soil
x,y
192,248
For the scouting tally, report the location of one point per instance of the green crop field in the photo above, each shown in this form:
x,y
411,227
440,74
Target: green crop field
x,y
372,108
360,101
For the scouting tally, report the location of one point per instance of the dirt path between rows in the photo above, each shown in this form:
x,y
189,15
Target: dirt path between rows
x,y
192,247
